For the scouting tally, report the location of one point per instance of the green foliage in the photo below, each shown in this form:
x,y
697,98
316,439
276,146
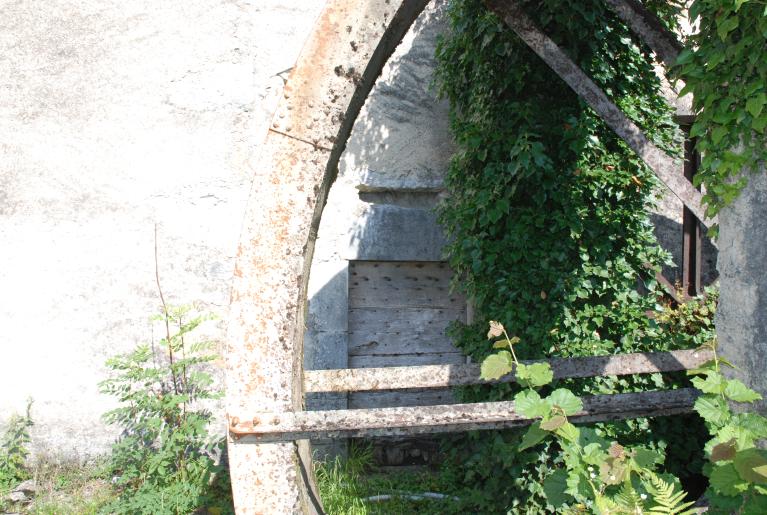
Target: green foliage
x,y
14,445
599,475
166,461
738,469
725,68
347,485
547,217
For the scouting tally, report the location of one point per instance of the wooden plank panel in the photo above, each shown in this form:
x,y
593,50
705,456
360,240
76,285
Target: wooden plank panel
x,y
365,361
440,376
279,427
393,399
402,284
385,343
402,320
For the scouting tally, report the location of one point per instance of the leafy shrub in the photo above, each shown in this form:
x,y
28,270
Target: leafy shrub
x,y
166,461
14,451
604,477
548,222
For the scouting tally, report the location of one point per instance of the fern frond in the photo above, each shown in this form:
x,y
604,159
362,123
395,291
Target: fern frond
x,y
628,499
669,501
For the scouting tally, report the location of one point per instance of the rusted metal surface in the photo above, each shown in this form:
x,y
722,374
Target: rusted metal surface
x,y
664,166
691,233
441,376
271,427
662,41
343,56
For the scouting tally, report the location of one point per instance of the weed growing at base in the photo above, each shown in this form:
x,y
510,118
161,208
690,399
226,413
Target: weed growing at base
x,y
166,461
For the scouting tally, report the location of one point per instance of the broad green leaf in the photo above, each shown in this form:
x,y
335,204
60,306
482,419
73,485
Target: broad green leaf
x,y
535,375
532,437
713,383
726,480
569,432
713,409
754,105
553,423
593,454
645,458
529,404
566,400
739,392
724,451
751,465
496,365
554,487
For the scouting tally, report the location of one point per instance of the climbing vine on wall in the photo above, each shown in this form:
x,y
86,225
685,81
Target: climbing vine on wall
x,y
548,209
725,68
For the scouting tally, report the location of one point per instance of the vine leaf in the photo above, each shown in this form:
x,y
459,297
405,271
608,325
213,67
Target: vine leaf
x,y
532,437
739,392
553,423
726,480
535,375
496,365
751,465
566,400
529,404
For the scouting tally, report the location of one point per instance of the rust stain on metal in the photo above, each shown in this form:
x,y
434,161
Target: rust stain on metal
x,y
264,316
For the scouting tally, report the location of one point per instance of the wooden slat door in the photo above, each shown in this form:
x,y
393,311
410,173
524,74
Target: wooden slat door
x,y
398,314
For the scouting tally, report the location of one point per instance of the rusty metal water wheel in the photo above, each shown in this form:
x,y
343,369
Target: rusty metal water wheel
x,y
269,453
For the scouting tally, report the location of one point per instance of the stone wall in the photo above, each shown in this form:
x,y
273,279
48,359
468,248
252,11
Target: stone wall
x,y
117,116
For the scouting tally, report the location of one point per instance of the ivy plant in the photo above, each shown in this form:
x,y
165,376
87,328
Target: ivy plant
x,y
725,68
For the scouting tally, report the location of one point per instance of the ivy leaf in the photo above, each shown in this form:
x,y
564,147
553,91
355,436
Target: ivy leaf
x,y
535,375
566,400
532,437
529,404
739,392
725,480
647,459
496,365
754,105
553,423
554,487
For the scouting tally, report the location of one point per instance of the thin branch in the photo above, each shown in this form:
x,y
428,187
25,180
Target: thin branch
x,y
165,313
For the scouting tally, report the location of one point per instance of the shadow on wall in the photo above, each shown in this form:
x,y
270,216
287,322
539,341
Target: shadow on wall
x,y
669,233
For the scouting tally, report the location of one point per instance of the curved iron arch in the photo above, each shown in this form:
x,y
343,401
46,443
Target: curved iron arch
x,y
337,68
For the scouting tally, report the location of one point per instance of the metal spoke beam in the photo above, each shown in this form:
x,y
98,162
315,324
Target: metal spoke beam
x,y
443,376
416,420
665,167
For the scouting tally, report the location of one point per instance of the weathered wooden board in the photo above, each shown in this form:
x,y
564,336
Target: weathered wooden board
x,y
406,397
441,376
398,283
404,360
375,343
276,427
398,315
402,320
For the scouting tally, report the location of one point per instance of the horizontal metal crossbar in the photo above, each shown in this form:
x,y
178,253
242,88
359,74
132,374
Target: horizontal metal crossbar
x,y
442,376
416,420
